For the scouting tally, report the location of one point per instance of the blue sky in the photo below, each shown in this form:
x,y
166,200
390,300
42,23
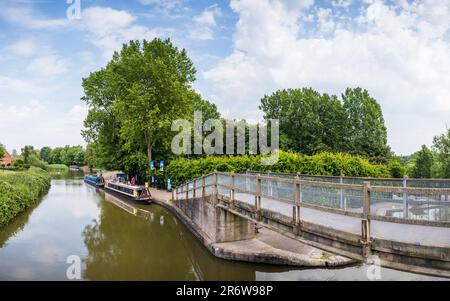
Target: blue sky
x,y
399,50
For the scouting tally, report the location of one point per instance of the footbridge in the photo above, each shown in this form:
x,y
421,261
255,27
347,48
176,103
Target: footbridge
x,y
405,222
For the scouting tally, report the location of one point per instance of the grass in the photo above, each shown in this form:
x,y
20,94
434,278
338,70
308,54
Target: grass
x,y
21,190
57,168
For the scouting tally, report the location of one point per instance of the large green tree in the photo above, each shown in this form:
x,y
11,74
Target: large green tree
x,y
133,102
27,151
310,122
423,163
45,154
365,131
441,144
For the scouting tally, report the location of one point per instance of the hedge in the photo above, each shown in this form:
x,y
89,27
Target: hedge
x,y
21,190
182,170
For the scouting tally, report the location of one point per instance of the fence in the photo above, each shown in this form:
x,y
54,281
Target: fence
x,y
408,210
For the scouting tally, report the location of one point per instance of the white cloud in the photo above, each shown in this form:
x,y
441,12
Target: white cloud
x,y
26,17
49,65
400,54
24,47
109,28
204,24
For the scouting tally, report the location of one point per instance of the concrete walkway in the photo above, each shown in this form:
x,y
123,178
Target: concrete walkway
x,y
267,247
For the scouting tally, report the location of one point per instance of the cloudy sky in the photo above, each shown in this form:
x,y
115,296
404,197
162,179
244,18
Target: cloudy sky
x,y
399,50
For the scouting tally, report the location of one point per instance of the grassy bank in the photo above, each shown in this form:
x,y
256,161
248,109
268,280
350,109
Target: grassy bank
x,y
57,168
20,190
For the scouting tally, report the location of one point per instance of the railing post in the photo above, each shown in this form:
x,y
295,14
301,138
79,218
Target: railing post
x,y
341,193
365,222
193,188
258,197
187,191
405,200
203,187
232,189
296,207
215,192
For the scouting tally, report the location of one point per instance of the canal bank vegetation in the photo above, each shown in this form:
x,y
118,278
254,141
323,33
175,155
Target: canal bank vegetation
x,y
20,190
333,164
53,160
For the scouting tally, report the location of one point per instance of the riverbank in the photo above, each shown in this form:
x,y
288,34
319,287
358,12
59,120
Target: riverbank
x,y
21,190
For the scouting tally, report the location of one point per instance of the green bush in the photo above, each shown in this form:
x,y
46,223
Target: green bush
x,y
56,168
20,190
182,170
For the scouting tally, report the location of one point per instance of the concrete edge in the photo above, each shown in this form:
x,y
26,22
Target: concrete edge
x,y
285,258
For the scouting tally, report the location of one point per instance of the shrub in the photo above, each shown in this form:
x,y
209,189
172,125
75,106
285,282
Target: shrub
x,y
20,190
334,164
56,168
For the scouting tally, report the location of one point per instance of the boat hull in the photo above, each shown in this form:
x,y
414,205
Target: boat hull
x,y
142,200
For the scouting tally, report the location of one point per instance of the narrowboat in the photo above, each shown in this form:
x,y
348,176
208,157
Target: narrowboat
x,y
96,181
135,192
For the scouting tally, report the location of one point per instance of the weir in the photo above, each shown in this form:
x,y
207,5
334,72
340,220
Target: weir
x,y
354,217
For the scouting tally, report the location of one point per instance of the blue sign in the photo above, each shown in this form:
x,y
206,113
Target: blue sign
x,y
169,184
152,165
153,179
161,165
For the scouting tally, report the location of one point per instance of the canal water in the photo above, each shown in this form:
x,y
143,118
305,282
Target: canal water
x,y
75,219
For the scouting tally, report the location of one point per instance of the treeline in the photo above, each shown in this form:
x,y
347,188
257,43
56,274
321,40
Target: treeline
x,y
42,158
430,163
182,170
311,122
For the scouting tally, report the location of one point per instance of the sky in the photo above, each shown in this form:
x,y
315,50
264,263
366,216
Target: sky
x,y
242,49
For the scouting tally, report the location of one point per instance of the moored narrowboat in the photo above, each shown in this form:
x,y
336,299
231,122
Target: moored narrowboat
x,y
96,181
135,192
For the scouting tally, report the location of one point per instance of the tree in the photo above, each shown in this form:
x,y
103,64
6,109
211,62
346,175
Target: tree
x,y
365,133
441,144
310,122
2,150
423,163
56,155
26,152
45,154
133,102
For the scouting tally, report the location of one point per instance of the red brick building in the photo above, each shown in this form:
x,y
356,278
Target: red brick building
x,y
6,158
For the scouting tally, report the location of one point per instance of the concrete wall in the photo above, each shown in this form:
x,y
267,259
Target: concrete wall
x,y
218,224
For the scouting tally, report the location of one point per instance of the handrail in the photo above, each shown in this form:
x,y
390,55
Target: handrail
x,y
301,184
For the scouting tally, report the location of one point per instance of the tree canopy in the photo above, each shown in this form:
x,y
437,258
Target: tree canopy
x,y
423,163
133,102
311,122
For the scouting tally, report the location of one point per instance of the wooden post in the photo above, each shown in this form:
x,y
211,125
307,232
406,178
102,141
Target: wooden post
x,y
365,222
341,193
232,189
215,192
366,199
405,200
296,209
193,188
258,197
203,187
187,191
